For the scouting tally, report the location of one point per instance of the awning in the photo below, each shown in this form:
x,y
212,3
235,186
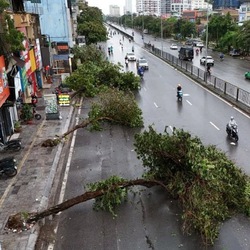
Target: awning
x,y
64,57
15,61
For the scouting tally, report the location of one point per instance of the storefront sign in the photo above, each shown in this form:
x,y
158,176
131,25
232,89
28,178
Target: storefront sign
x,y
64,99
4,88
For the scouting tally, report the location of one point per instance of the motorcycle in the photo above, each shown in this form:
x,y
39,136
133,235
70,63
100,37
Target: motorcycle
x,y
179,95
8,166
141,74
126,62
232,132
12,145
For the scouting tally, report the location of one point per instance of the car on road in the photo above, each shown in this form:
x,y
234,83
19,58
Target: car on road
x,y
173,46
200,44
234,52
142,62
247,75
131,56
207,60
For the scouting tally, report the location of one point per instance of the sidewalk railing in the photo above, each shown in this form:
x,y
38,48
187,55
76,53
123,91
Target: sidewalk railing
x,y
237,94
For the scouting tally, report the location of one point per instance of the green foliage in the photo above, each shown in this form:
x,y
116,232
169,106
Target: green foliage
x,y
209,186
26,112
119,107
112,196
243,38
96,73
90,25
11,39
88,53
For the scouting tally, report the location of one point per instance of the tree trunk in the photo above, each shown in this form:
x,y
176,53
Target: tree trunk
x,y
17,221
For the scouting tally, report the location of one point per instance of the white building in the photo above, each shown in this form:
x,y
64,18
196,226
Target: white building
x,y
128,7
200,4
149,7
114,10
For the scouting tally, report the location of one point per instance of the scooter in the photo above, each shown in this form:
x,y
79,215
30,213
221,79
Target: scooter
x,y
126,62
179,95
233,132
8,166
12,145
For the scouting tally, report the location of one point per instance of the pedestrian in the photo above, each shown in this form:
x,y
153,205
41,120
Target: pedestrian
x,y
200,49
109,51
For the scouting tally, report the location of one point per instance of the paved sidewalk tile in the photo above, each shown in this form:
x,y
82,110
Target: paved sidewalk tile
x,y
27,191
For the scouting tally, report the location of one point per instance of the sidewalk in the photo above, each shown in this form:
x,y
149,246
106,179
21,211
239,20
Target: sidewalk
x,y
29,190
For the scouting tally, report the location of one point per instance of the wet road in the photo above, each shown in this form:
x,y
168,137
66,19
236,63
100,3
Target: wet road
x,y
231,69
149,220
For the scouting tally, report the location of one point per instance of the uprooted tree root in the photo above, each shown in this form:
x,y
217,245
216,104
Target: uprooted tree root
x,y
18,222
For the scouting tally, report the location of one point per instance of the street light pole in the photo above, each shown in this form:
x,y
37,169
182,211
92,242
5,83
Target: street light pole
x,y
161,38
206,44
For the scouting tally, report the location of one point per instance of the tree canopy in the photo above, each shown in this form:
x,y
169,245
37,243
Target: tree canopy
x,y
96,73
90,24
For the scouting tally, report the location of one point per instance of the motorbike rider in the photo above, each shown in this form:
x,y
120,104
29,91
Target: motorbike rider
x,y
197,51
208,69
126,60
221,56
179,89
231,123
140,71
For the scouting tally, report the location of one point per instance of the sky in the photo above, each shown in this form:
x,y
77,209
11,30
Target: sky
x,y
104,4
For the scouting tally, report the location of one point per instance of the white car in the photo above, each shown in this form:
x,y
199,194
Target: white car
x,y
131,56
142,63
207,60
173,46
200,45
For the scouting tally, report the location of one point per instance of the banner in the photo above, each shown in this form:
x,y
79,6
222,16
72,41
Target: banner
x,y
4,88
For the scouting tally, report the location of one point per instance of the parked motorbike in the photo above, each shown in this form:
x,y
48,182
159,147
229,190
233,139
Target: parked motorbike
x,y
233,132
8,166
179,95
12,145
36,115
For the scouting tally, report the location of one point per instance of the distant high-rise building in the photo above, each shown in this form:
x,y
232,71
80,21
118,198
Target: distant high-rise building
x,y
114,10
128,7
149,7
222,4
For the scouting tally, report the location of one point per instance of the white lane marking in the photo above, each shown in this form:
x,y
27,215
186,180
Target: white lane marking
x,y
186,94
214,125
144,88
156,105
189,102
212,93
66,173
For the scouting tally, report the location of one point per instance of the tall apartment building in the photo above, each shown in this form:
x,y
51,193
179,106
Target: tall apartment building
x,y
222,4
200,4
128,7
149,7
114,10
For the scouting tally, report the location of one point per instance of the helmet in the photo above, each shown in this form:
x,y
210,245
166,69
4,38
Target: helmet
x,y
231,118
179,85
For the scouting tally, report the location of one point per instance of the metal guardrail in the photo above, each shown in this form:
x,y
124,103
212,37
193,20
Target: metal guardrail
x,y
237,94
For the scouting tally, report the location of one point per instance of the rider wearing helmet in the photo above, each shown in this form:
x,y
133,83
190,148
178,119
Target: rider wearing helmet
x,y
179,90
231,123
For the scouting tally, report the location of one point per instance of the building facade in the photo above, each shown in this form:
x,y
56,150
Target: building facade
x,y
149,7
55,18
128,7
114,10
